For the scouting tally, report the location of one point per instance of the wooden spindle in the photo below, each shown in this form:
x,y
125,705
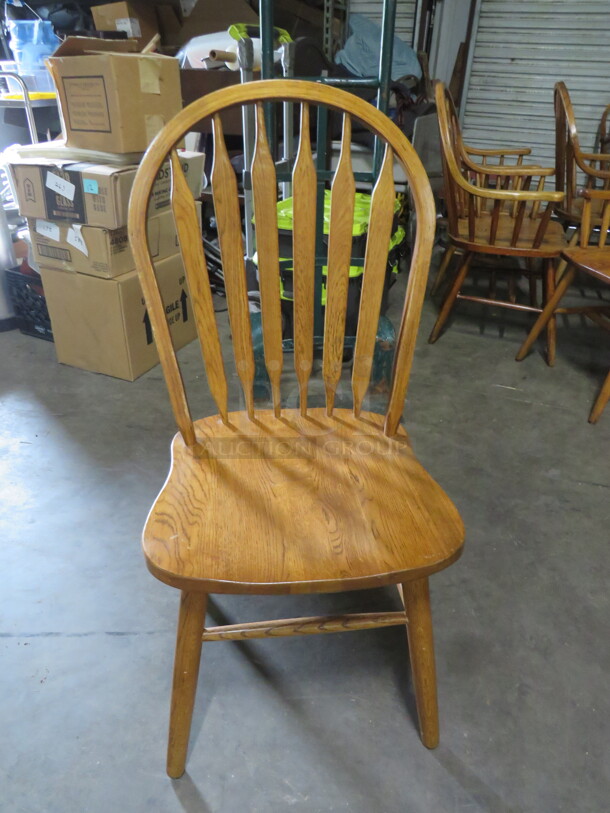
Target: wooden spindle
x,y
542,226
375,266
228,219
339,253
495,217
518,222
604,224
471,218
264,186
304,181
188,228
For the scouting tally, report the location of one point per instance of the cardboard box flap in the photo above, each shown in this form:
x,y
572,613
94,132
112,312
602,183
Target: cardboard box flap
x,y
79,46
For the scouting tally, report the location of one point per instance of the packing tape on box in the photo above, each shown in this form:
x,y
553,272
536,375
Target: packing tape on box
x,y
149,70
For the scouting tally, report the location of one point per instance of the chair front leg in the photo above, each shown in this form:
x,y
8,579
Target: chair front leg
x,y
445,262
546,314
416,596
191,622
450,298
551,327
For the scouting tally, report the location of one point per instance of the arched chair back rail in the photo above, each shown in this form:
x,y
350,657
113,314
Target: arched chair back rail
x,y
352,507
494,211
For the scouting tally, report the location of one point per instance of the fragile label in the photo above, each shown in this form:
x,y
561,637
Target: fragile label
x,y
76,239
60,185
48,229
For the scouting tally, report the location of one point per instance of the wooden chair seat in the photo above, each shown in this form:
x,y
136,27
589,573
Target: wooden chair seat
x,y
325,503
593,260
553,241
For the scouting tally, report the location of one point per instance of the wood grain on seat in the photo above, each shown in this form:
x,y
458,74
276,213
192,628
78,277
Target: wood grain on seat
x,y
317,504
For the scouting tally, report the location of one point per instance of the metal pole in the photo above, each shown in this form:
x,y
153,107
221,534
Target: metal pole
x,y
245,53
29,112
267,71
385,69
287,52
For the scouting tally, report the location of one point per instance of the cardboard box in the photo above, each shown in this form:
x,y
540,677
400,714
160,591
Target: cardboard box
x,y
110,99
208,16
98,252
137,19
95,194
102,325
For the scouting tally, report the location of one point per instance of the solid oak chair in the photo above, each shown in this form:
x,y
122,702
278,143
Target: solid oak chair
x,y
593,260
487,160
575,169
493,211
307,500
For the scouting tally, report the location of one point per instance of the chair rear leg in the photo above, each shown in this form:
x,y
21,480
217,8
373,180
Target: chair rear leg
x,y
442,270
450,298
416,596
551,327
601,401
191,622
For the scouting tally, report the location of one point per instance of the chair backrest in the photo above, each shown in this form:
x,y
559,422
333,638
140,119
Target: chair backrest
x,y
476,190
604,133
574,169
228,218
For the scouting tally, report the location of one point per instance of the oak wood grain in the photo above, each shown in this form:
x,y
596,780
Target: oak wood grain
x,y
304,181
312,625
264,187
318,503
191,248
342,199
283,502
191,621
226,209
375,267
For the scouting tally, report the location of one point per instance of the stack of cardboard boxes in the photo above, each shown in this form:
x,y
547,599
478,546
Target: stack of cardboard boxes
x,y
112,102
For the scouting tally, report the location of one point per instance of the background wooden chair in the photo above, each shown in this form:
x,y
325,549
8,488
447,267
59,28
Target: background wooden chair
x,y
494,211
575,169
603,135
593,260
479,163
300,500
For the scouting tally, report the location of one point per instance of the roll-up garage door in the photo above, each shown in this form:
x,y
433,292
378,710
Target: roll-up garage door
x,y
521,48
405,15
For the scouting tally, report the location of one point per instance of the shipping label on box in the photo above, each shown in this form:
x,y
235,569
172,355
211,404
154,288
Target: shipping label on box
x,y
97,251
102,325
93,194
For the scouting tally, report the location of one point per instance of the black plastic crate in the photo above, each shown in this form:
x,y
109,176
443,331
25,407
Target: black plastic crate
x,y
29,304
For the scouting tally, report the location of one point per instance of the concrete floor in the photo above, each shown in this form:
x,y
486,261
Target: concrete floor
x,y
324,723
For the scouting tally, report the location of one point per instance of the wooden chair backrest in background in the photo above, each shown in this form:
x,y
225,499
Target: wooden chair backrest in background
x,y
574,169
603,136
228,217
498,192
